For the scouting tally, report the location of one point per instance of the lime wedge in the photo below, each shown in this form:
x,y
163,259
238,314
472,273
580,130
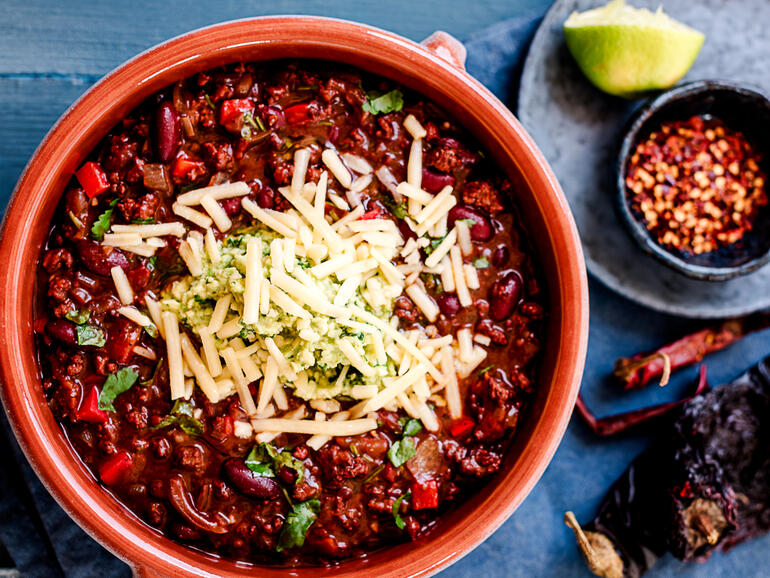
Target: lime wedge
x,y
628,51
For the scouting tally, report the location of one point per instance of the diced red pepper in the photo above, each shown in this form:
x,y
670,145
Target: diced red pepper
x,y
184,166
89,408
139,277
298,114
124,335
232,111
425,495
375,213
461,426
93,179
115,467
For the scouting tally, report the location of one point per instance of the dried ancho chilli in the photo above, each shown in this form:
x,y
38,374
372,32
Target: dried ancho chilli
x,y
704,486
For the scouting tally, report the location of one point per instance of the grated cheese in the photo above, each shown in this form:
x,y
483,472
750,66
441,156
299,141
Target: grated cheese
x,y
442,250
336,167
329,428
122,286
217,192
463,295
190,214
173,355
157,230
301,160
253,283
216,212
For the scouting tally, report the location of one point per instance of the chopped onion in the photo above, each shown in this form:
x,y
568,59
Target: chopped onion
x,y
389,181
155,178
357,164
187,126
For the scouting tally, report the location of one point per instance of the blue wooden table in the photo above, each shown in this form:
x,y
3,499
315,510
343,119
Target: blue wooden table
x,y
51,51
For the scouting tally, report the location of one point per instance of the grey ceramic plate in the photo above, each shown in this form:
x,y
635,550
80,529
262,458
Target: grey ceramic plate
x,y
579,128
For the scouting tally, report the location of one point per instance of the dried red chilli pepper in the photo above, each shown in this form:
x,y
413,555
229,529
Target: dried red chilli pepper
x,y
618,423
638,371
702,487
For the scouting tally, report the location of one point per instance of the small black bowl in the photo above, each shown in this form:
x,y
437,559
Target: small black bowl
x,y
740,108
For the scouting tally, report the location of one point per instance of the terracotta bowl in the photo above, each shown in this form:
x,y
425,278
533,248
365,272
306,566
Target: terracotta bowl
x,y
435,70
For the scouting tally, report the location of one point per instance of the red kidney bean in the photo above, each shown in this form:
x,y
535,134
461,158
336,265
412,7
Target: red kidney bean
x,y
287,475
166,131
500,256
504,296
433,181
266,197
62,330
231,206
272,116
448,303
96,259
247,482
481,230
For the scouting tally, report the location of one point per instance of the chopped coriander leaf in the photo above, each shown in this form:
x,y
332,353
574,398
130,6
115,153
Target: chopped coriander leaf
x,y
481,263
151,330
396,510
148,221
114,385
433,245
182,407
297,524
377,102
89,335
181,416
152,263
78,317
254,462
101,225
402,451
398,210
187,424
269,458
412,427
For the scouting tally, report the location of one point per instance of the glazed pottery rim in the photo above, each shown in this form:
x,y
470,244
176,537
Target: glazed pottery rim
x,y
638,125
41,184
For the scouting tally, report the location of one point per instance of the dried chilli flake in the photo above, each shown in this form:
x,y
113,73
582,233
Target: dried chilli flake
x,y
697,185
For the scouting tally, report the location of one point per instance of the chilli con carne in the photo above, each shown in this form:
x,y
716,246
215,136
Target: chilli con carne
x,y
286,313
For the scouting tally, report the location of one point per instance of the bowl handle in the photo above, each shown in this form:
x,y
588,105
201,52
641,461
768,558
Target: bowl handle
x,y
446,46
